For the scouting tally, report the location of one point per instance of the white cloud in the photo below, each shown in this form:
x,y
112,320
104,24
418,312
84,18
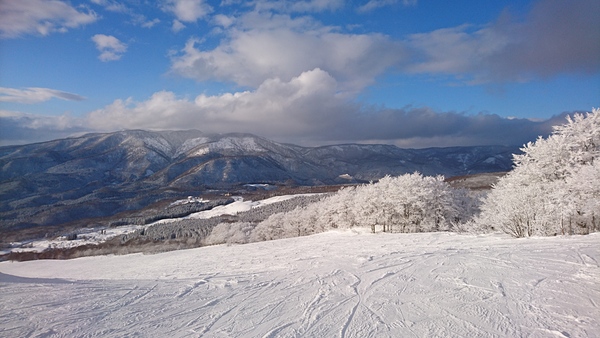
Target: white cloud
x,y
113,6
375,4
555,37
280,47
21,128
110,48
223,20
35,95
188,10
177,26
309,110
150,23
454,50
41,17
290,6
273,21
119,7
275,108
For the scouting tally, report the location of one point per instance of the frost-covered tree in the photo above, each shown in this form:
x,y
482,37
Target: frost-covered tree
x,y
269,229
230,233
555,185
408,203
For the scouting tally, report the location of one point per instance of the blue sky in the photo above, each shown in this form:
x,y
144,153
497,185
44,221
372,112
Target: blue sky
x,y
406,72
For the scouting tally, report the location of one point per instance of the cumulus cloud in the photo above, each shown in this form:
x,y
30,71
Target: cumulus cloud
x,y
251,56
302,77
309,110
275,108
188,10
177,26
35,95
555,37
223,20
21,128
40,17
110,48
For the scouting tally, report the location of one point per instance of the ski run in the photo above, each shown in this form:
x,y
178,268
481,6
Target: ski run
x,y
347,283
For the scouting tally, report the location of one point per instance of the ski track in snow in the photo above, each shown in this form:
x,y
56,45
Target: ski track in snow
x,y
334,284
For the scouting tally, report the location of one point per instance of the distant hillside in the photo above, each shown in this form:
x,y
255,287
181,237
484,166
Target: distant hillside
x,y
98,175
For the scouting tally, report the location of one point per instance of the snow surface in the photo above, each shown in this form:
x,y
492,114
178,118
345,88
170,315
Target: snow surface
x,y
238,206
265,186
159,144
334,284
84,236
201,151
190,199
236,143
190,144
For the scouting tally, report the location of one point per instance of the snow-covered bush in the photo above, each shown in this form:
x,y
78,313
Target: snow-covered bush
x,y
555,185
230,233
408,203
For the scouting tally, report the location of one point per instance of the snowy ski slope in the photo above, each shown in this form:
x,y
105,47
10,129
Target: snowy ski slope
x,y
334,284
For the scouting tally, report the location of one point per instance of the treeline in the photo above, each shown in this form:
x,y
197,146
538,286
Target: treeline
x,y
408,203
196,230
172,211
554,189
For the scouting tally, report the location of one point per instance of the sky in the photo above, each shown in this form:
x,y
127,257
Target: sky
x,y
412,73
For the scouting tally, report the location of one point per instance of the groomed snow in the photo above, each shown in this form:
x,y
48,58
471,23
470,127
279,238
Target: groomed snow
x,y
334,284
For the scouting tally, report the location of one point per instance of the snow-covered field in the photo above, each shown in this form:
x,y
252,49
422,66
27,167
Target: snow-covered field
x,y
333,284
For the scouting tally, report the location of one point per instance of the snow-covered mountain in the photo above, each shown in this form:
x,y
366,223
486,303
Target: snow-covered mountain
x,y
100,174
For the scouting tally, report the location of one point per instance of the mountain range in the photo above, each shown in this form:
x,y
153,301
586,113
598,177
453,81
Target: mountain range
x,y
98,175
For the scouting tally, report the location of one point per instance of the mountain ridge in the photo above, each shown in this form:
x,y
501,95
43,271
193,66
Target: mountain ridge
x,y
99,174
